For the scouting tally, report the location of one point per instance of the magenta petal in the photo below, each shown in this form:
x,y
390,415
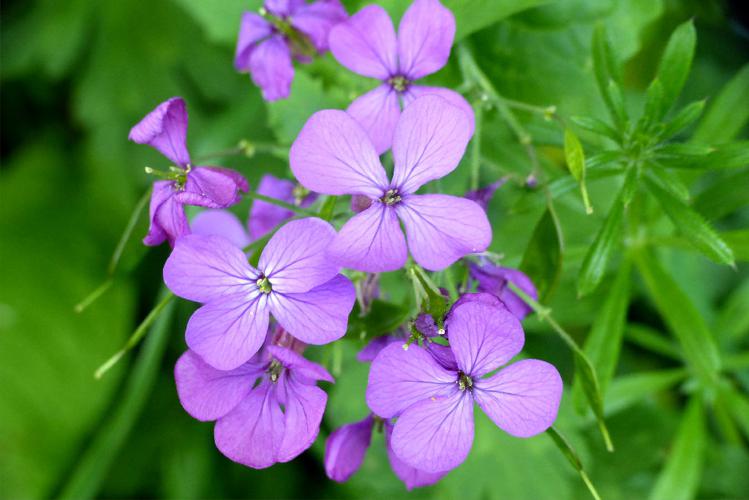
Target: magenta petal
x,y
271,68
207,268
495,279
251,434
346,447
295,260
425,36
265,216
366,43
318,316
483,336
299,365
436,434
165,128
416,91
441,228
317,19
370,351
377,112
228,332
220,223
167,216
523,398
252,30
429,141
207,393
399,378
282,8
334,155
371,241
304,408
411,477
211,187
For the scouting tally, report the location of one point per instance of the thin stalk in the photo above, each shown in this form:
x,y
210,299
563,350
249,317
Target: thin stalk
x,y
93,296
287,206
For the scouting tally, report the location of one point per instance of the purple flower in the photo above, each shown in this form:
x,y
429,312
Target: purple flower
x,y
264,217
334,155
366,44
294,281
267,410
494,279
484,195
165,128
221,223
283,29
434,404
347,445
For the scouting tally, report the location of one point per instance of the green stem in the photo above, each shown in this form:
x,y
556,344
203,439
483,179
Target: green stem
x,y
287,206
572,457
93,296
115,260
326,211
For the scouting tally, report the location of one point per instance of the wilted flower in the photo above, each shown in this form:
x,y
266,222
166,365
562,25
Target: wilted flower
x,y
494,279
333,155
484,195
366,44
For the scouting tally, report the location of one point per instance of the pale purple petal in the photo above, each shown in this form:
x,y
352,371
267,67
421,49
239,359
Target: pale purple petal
x,y
222,223
483,336
299,365
271,68
252,433
228,332
295,259
494,279
371,241
441,229
484,195
411,477
265,216
443,355
165,128
416,91
282,8
207,268
212,187
377,112
318,316
370,351
252,30
399,378
172,216
207,393
304,408
425,36
366,44
523,398
435,434
346,447
334,155
429,141
360,203
317,19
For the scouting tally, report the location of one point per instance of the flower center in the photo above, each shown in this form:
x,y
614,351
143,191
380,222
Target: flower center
x,y
177,175
391,197
299,193
399,83
464,382
264,285
274,370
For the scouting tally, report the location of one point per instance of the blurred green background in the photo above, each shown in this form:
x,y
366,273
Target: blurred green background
x,y
76,75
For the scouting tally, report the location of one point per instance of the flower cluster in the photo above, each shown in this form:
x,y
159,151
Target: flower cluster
x,y
245,367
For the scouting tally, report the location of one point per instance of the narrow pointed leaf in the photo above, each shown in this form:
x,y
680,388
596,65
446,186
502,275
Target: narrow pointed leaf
x,y
575,156
676,62
739,242
669,181
596,126
728,113
721,198
628,390
684,118
573,458
722,156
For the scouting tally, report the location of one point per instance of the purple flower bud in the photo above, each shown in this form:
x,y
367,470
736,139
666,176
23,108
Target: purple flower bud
x,y
494,279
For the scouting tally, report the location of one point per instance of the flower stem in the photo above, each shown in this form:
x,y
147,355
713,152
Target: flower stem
x,y
93,296
287,206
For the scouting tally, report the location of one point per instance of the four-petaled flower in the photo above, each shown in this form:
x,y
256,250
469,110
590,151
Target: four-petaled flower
x,y
433,402
165,128
366,44
334,155
295,281
283,29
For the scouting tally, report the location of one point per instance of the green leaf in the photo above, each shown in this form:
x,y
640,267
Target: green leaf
x,y
684,118
680,478
653,111
733,318
382,318
434,303
692,225
220,20
738,405
596,126
668,181
473,15
721,197
628,390
681,316
739,242
573,152
728,113
631,183
599,253
618,106
653,340
693,156
542,260
572,457
676,62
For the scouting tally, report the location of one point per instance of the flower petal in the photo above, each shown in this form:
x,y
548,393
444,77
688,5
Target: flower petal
x,y
377,112
494,279
265,216
299,365
371,241
252,433
425,36
411,477
318,316
346,447
252,30
211,187
207,268
222,223
228,332
429,141
271,68
173,216
400,378
416,91
436,434
522,399
334,155
304,408
295,258
209,394
282,8
370,351
441,228
317,19
483,335
366,43
165,128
